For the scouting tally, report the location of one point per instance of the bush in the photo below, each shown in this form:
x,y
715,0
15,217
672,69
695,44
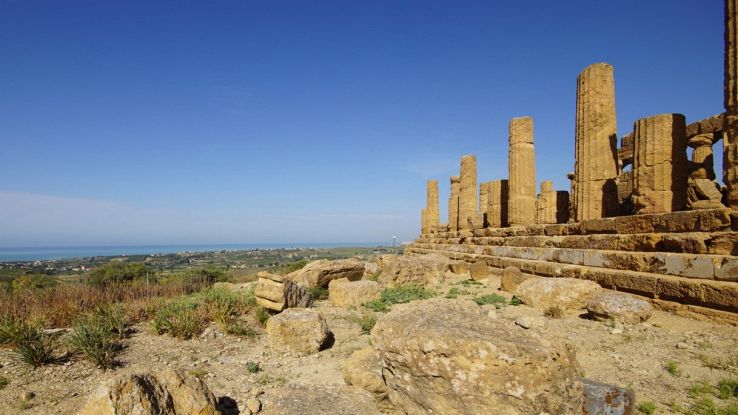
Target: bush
x,y
32,345
647,407
253,367
490,299
727,388
398,295
295,266
180,319
515,301
9,330
262,316
95,337
3,382
31,282
366,321
318,293
553,312
453,293
208,275
116,272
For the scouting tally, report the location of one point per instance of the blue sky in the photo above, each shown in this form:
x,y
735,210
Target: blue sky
x,y
160,122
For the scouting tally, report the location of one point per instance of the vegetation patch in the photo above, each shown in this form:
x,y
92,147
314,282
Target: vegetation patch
x,y
647,407
399,295
490,299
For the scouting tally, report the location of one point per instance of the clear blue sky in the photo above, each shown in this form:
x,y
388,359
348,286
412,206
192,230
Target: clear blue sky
x,y
159,122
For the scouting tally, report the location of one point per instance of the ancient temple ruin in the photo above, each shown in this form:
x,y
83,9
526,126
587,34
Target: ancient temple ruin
x,y
644,213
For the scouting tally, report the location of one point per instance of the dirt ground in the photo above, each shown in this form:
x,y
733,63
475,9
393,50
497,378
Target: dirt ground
x,y
662,359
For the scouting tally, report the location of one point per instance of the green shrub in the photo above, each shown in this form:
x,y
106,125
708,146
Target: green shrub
x,y
116,271
398,295
208,275
262,316
672,367
378,306
3,382
727,388
490,299
375,275
32,345
295,266
319,293
112,319
515,301
96,340
253,367
9,329
366,321
647,407
453,293
180,319
31,282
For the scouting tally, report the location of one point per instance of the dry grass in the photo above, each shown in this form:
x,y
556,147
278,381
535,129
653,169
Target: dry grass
x,y
59,306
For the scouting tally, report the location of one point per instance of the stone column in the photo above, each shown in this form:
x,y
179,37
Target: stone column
x,y
432,211
596,166
497,209
546,204
453,204
562,206
484,197
522,170
660,167
730,87
702,165
468,192
424,221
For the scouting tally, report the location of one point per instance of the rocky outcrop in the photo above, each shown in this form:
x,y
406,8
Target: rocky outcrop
x,y
364,370
442,357
561,293
302,331
345,293
316,400
421,271
274,292
165,393
320,273
620,307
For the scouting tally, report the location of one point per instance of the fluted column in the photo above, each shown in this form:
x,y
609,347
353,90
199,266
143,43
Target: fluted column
x,y
468,193
730,140
424,221
546,204
596,166
453,204
432,210
660,168
522,171
497,208
702,159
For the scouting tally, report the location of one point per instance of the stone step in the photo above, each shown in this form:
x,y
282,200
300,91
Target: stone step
x,y
720,295
717,243
702,266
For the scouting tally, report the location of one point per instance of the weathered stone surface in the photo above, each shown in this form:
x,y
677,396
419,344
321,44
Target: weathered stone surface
x,y
563,293
345,293
432,210
619,306
701,165
298,330
660,167
522,172
422,271
165,393
730,88
479,271
277,296
551,206
364,370
468,191
497,210
595,169
703,194
440,357
603,399
476,221
454,203
318,400
320,273
511,278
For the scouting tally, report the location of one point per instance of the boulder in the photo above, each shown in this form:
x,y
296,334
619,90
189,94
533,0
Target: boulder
x,y
439,356
479,271
561,293
318,400
364,370
418,270
458,267
511,278
274,292
619,306
167,392
601,399
298,330
370,268
345,293
320,273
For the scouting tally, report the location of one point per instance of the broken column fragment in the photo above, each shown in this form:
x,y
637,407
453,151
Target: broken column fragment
x,y
522,173
660,164
468,191
453,204
595,168
546,204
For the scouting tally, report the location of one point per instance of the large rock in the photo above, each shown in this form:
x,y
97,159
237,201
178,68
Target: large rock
x,y
164,393
561,293
364,370
274,292
619,306
479,271
320,273
299,330
319,400
440,356
417,270
511,278
345,293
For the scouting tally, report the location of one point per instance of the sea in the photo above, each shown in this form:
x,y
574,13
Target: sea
x,y
67,252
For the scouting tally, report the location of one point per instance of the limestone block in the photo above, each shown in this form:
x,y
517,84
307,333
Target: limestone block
x,y
320,273
479,271
305,400
468,190
595,168
522,173
364,370
297,330
345,293
439,356
660,167
511,278
619,306
563,293
417,270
